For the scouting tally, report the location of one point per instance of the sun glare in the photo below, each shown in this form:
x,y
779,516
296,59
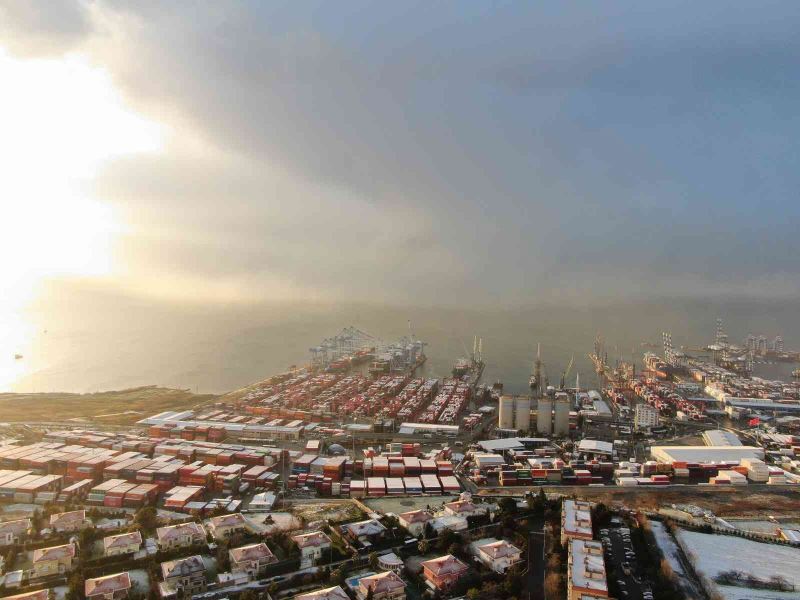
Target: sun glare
x,y
60,120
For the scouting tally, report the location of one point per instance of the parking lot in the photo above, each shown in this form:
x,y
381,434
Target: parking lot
x,y
624,575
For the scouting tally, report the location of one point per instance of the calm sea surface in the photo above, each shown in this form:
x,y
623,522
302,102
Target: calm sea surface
x,y
90,343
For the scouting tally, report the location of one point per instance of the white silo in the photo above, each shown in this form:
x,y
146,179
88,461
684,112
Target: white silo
x,y
562,416
544,416
522,415
506,413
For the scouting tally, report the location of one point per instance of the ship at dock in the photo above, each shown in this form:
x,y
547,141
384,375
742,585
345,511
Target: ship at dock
x,y
472,367
351,348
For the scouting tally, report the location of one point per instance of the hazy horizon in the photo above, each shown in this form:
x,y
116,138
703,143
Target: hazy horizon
x,y
472,156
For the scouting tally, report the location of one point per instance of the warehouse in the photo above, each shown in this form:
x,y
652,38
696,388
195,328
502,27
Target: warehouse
x,y
704,454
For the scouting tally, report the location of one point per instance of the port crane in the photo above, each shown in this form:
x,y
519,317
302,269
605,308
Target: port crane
x,y
565,374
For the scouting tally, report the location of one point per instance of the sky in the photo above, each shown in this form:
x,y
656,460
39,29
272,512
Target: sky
x,y
453,153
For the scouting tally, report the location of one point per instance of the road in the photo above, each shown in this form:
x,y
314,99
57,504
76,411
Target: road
x,y
535,575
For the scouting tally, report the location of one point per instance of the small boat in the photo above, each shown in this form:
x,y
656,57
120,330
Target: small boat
x,y
18,357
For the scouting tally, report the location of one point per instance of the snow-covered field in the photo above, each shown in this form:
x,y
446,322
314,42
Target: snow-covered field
x,y
715,554
668,546
738,593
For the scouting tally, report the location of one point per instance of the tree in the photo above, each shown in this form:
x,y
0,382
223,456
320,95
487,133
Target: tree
x,y
423,546
248,595
146,518
508,505
373,561
473,593
337,576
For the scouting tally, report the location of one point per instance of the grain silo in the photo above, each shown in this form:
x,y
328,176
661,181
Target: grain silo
x,y
562,416
522,415
544,416
506,413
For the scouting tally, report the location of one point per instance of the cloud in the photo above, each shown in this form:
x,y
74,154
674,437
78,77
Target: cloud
x,y
417,153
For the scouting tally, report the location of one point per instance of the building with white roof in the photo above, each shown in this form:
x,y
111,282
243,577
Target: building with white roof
x,y
705,454
576,520
586,571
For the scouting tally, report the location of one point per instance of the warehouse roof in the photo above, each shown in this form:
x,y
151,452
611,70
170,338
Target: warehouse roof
x,y
704,454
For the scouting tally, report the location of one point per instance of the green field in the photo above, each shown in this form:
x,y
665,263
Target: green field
x,y
120,407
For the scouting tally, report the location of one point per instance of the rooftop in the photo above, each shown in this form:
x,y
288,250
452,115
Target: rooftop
x,y
312,539
445,565
251,552
382,582
577,517
587,570
54,553
122,540
331,593
499,549
182,567
108,584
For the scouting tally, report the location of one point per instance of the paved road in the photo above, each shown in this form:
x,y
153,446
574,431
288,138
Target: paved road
x,y
535,576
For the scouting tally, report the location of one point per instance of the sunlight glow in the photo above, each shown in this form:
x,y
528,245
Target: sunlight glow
x,y
60,120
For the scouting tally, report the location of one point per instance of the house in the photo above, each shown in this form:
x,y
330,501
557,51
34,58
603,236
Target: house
x,y
586,571
14,532
180,536
68,521
38,595
391,562
464,508
311,546
231,578
185,576
252,559
124,543
110,587
414,521
498,555
384,586
331,593
451,522
364,531
224,526
440,573
55,560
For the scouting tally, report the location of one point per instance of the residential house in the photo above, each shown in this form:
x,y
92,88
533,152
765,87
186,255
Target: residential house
x,y
331,593
252,559
183,575
124,543
498,555
180,536
451,522
110,587
465,508
311,546
14,532
391,562
384,586
224,526
440,573
414,521
55,560
370,531
69,521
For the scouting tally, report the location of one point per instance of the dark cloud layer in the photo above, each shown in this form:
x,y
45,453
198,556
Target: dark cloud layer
x,y
498,152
